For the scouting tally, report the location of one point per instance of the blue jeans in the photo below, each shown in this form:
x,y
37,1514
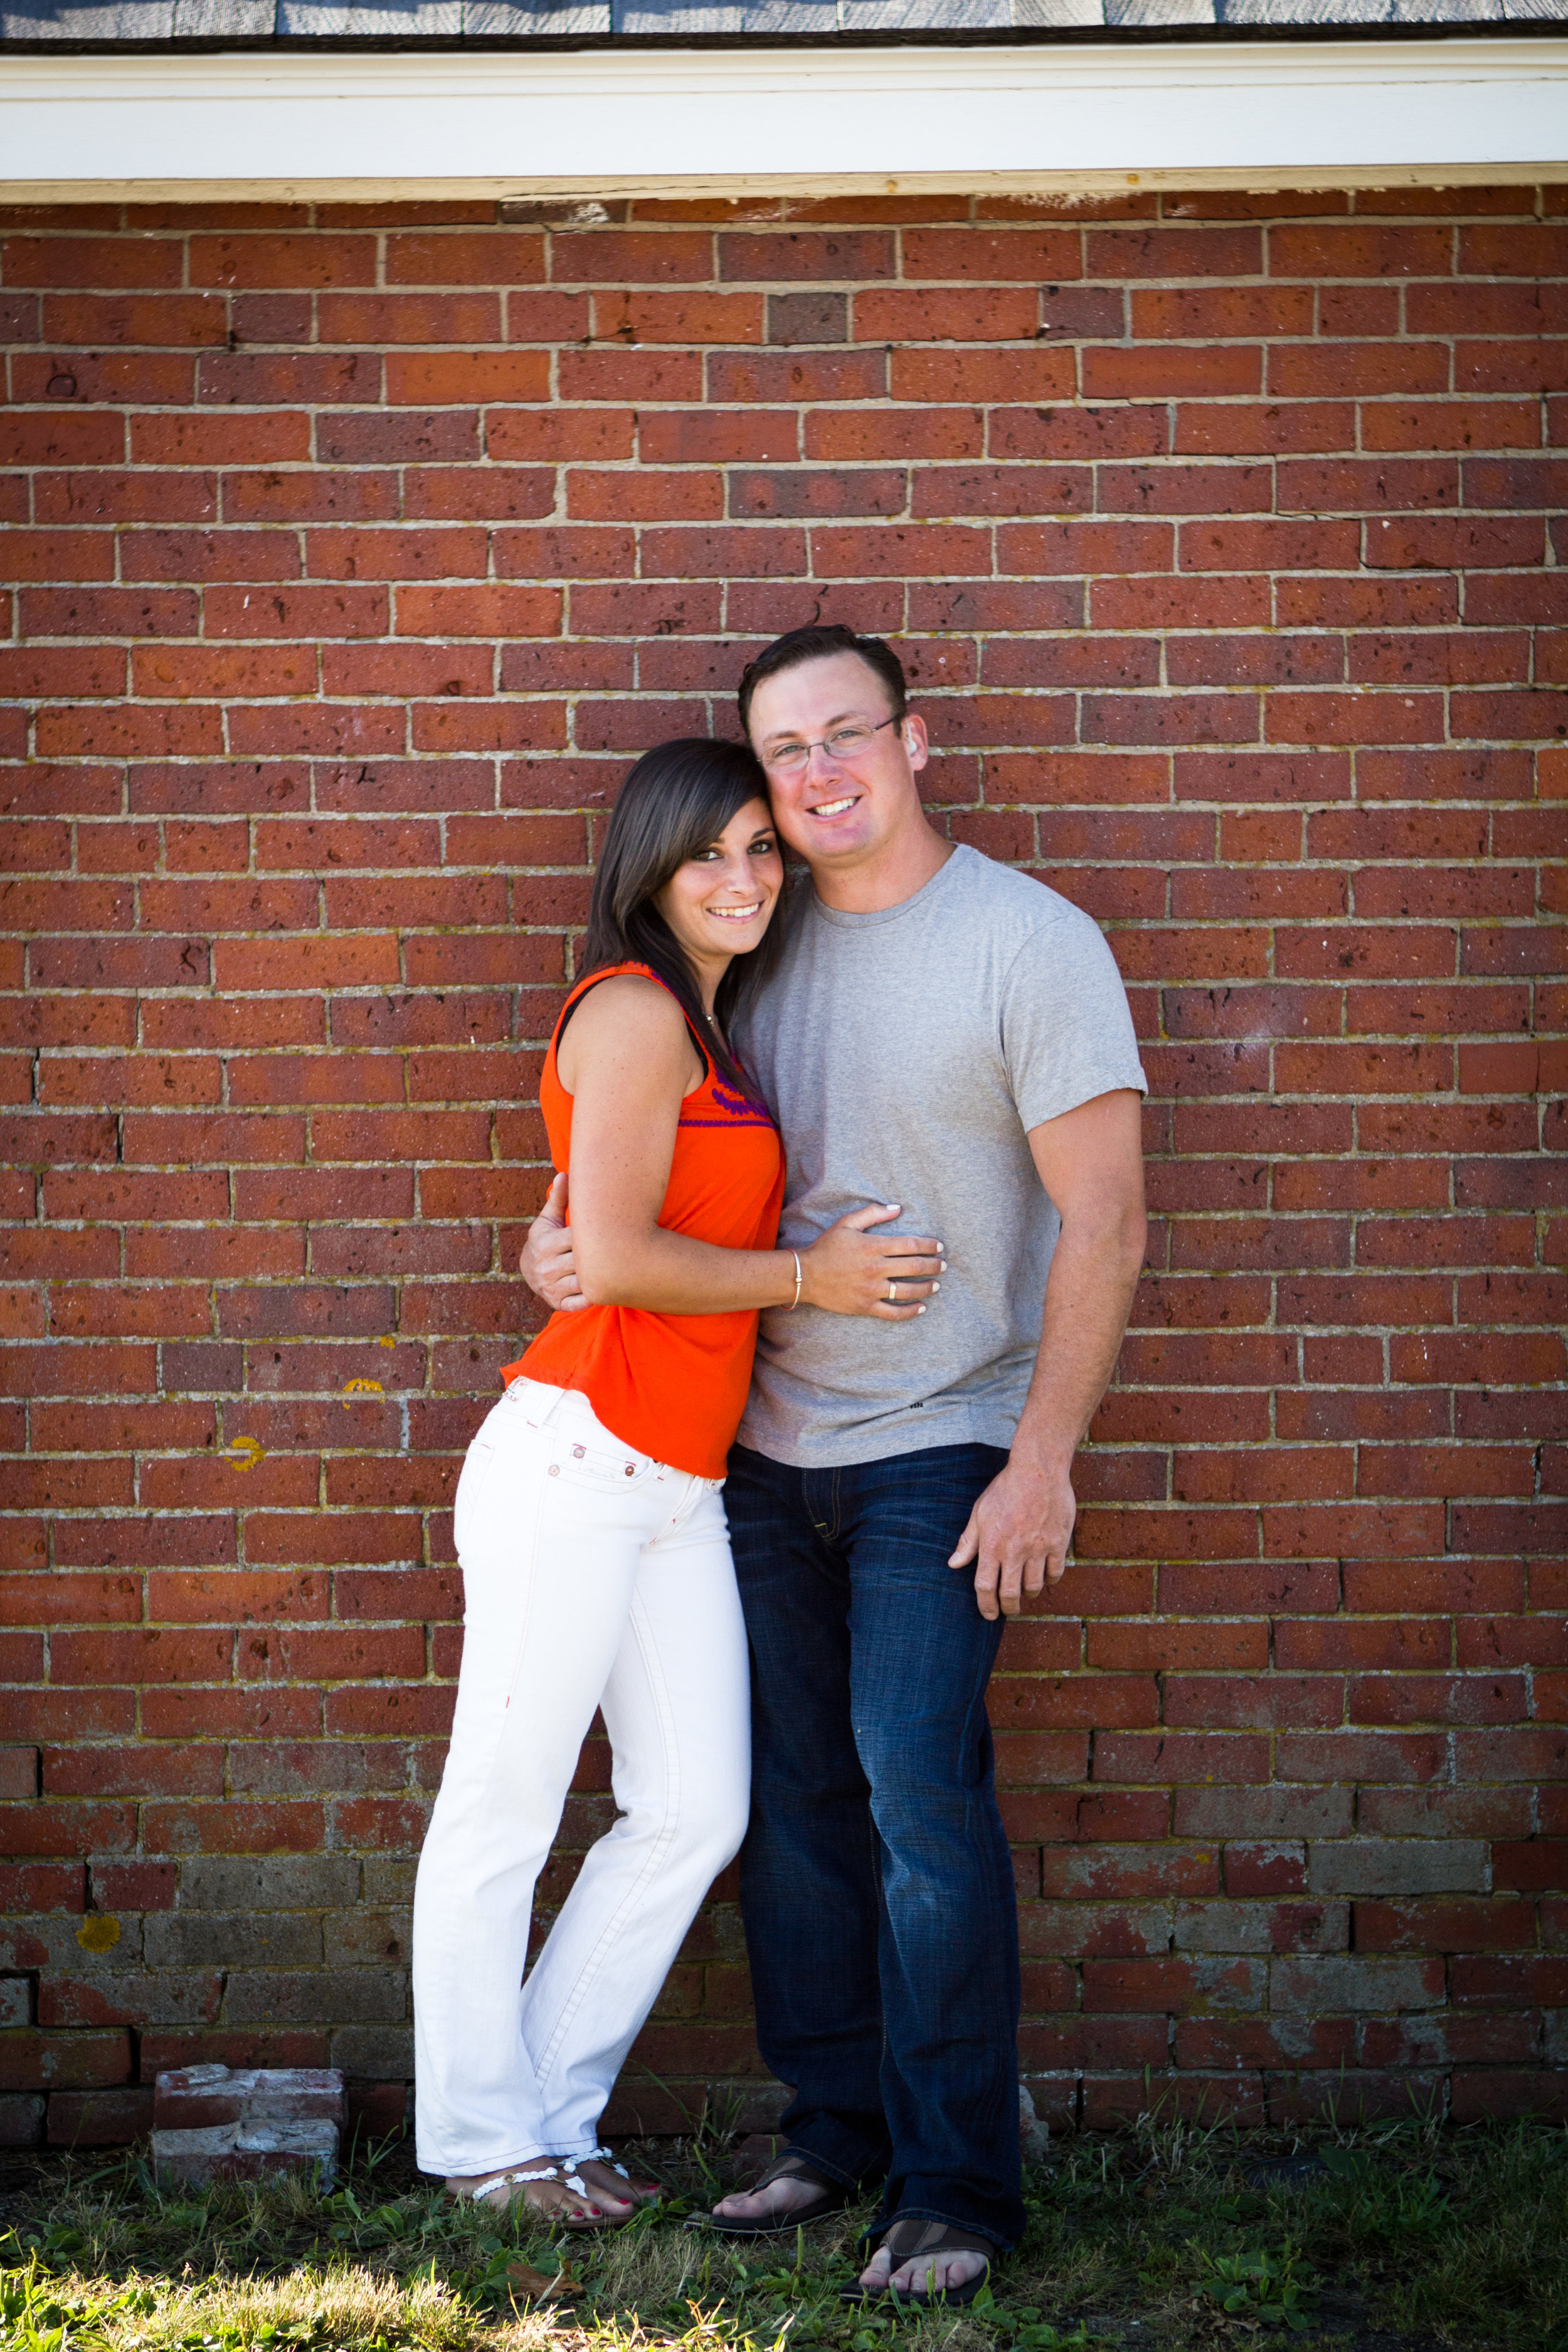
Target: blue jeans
x,y
875,1883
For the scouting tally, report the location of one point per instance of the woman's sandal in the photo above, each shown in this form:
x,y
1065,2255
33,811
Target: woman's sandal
x,y
788,2167
554,2217
636,2192
914,2241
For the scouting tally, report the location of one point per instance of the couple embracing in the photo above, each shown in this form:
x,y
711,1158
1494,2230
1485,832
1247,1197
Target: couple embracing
x,y
784,1583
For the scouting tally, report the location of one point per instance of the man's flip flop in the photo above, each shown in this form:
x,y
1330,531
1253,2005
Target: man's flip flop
x,y
832,2200
914,2241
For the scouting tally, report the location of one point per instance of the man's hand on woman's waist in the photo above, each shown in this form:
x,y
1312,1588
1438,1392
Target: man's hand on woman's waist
x,y
547,1265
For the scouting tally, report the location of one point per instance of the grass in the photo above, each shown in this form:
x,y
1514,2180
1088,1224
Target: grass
x,y
1173,2237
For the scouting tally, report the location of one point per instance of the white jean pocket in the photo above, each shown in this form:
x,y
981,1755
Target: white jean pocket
x,y
604,1467
476,1466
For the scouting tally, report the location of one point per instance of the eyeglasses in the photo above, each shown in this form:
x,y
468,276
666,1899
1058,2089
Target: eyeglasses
x,y
844,743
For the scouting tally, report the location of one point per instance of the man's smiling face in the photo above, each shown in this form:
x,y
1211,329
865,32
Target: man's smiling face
x,y
833,810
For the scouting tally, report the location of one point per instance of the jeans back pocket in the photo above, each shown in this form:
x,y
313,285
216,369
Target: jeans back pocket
x,y
478,1462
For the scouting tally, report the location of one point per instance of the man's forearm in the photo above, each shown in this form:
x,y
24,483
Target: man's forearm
x,y
1089,1296
1020,1529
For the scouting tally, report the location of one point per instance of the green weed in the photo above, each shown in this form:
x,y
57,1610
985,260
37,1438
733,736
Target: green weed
x,y
1155,2239
1270,2288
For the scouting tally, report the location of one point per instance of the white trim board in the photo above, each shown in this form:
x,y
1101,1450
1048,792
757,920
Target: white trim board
x,y
1090,120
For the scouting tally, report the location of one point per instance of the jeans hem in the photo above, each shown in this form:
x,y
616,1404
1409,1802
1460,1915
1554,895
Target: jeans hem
x,y
886,2221
831,2172
463,2170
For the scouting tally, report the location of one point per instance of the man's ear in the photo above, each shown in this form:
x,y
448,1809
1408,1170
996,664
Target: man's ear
x,y
917,743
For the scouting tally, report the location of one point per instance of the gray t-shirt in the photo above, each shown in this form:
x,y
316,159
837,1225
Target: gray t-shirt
x,y
906,1053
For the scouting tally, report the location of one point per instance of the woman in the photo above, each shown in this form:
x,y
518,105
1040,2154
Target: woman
x,y
596,1568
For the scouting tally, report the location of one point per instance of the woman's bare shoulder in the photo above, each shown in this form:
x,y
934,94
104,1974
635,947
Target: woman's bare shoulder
x,y
629,1002
629,1023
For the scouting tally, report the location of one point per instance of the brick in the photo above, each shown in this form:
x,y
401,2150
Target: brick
x,y
1445,1925
685,436
1194,311
314,260
1186,1756
66,1829
1530,1864
1508,1980
1109,1872
178,320
1260,1927
280,1883
1500,2095
1517,251
447,257
98,2118
129,1997
246,2149
1400,1867
1326,1982
22,2120
58,2061
190,2097
1170,371
379,438
1037,374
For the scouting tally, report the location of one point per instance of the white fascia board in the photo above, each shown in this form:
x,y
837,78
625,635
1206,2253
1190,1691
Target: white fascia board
x,y
755,122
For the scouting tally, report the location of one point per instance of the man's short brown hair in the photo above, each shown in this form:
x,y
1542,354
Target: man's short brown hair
x,y
799,645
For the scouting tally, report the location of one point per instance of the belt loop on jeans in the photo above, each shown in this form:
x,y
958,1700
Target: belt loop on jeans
x,y
547,1413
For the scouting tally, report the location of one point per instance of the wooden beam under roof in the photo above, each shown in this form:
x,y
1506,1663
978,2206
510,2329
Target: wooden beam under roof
x,y
749,119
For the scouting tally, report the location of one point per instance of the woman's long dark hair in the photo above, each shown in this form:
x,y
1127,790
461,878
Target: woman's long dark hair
x,y
676,802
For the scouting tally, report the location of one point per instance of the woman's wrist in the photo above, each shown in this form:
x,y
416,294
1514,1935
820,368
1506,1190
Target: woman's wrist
x,y
792,1272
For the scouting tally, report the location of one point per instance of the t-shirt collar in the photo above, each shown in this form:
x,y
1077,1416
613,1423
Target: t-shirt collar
x,y
961,854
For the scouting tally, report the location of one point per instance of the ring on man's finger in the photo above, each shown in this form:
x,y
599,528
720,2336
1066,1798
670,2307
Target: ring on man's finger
x,y
892,1292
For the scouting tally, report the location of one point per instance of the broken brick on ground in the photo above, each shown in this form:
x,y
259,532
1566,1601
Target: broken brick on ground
x,y
223,2123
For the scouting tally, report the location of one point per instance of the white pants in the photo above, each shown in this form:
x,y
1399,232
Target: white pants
x,y
591,1577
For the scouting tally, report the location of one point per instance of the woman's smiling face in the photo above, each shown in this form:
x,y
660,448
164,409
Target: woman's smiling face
x,y
720,902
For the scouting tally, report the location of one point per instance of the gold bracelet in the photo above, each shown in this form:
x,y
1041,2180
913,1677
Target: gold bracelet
x,y
795,1302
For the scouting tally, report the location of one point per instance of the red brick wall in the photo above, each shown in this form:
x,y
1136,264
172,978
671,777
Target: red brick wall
x,y
357,552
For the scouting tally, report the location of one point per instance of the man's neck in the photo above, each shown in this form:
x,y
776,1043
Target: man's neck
x,y
894,872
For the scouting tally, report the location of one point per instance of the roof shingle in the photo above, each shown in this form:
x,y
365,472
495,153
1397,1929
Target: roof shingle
x,y
159,21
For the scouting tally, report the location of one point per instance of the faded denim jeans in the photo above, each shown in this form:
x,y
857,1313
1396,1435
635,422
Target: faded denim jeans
x,y
876,1881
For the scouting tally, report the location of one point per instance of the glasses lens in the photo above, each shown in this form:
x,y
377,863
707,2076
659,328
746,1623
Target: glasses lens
x,y
847,740
789,755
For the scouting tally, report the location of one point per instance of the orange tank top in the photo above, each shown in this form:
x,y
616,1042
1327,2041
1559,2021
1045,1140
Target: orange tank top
x,y
673,1386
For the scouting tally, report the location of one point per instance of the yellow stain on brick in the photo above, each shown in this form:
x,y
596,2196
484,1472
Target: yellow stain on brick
x,y
244,1453
361,1388
98,1934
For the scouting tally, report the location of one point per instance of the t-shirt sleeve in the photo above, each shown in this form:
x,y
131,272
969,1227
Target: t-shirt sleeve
x,y
1066,1029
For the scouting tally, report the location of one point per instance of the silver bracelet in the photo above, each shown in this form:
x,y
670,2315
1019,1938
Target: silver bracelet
x,y
795,1302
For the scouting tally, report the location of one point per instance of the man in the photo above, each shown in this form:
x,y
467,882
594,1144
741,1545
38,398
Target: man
x,y
945,1034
